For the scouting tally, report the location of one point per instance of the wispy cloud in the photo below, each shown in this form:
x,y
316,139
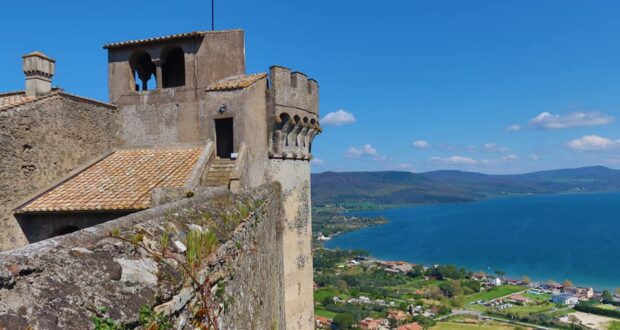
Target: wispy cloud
x,y
338,118
534,156
546,120
593,142
510,157
454,160
317,161
493,147
421,144
514,128
366,150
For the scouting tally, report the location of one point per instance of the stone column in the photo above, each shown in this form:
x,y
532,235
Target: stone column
x,y
158,73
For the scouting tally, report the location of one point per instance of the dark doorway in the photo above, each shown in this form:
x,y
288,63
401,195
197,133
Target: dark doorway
x,y
224,137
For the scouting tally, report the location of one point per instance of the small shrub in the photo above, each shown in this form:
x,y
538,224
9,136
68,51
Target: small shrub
x,y
105,324
153,321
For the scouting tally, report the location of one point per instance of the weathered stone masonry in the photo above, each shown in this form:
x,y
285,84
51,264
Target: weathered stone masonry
x,y
40,144
60,283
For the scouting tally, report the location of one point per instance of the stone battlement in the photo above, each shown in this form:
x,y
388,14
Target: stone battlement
x,y
292,90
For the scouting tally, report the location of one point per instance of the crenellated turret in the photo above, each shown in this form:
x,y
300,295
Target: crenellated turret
x,y
294,105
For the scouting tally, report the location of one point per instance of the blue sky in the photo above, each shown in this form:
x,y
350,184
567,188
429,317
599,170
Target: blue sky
x,y
452,76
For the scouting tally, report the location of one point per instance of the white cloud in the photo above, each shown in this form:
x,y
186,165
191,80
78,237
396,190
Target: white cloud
x,y
338,118
421,144
454,160
546,120
493,147
510,157
534,157
365,150
317,161
593,142
514,128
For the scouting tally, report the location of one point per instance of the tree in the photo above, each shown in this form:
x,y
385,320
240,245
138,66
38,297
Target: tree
x,y
617,292
451,288
568,284
343,321
500,273
525,279
341,285
574,319
434,293
417,271
607,295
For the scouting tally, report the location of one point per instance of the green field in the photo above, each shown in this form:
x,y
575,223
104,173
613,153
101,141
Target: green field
x,y
531,309
461,326
496,292
321,294
615,325
538,297
604,306
324,313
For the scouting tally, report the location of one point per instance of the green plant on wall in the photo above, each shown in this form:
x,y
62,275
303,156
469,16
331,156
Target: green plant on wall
x,y
199,245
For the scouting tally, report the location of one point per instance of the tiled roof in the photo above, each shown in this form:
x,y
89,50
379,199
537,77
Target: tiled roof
x,y
236,82
122,180
8,100
14,99
163,38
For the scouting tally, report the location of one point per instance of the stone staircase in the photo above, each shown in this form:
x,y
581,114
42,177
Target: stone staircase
x,y
219,172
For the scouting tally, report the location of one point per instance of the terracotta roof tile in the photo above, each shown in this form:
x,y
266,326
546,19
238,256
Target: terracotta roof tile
x,y
8,100
236,82
121,181
163,38
14,99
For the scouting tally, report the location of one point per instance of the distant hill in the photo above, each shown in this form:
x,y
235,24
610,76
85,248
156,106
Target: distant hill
x,y
393,187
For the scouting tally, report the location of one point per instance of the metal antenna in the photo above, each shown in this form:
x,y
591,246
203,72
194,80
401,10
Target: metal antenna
x,y
212,15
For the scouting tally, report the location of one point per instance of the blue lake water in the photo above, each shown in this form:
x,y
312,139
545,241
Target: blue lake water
x,y
558,237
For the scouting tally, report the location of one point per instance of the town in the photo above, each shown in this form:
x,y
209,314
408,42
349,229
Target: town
x,y
354,290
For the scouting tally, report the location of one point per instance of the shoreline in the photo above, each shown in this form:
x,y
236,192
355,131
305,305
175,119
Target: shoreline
x,y
372,259
540,276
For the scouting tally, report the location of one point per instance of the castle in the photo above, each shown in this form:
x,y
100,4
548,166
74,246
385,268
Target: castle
x,y
183,117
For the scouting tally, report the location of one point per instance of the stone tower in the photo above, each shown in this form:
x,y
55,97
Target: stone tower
x,y
184,116
293,100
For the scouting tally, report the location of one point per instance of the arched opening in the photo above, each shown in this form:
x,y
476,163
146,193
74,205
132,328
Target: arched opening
x,y
64,230
143,70
173,69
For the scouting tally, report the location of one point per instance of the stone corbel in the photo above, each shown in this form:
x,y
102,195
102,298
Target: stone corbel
x,y
293,150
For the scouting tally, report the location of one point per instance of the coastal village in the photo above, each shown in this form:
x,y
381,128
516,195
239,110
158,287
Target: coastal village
x,y
355,291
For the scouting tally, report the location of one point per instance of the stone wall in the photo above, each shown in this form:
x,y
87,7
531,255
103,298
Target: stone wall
x,y
43,141
113,270
294,177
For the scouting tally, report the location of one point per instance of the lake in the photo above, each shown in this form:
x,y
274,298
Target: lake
x,y
573,236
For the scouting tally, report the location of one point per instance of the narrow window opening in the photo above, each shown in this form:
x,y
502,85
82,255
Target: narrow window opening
x,y
173,69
